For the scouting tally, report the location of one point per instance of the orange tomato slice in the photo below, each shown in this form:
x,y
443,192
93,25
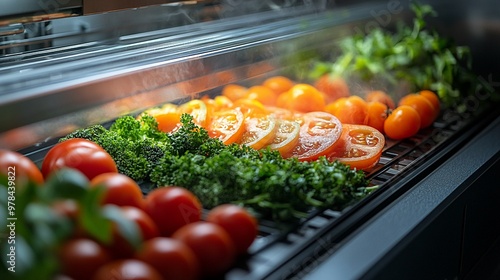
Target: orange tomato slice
x,y
197,109
227,125
168,122
259,131
319,131
360,146
286,137
250,107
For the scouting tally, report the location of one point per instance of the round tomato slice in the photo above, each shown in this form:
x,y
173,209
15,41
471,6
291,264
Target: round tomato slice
x,y
360,146
259,131
286,137
319,131
197,109
227,126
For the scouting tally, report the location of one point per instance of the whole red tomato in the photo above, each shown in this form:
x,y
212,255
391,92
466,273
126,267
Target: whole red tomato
x,y
19,167
120,190
79,258
127,269
81,154
238,222
171,208
211,245
172,258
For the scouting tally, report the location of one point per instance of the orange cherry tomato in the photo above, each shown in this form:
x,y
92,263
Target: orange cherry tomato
x,y
262,94
352,110
376,115
278,84
234,92
319,132
380,96
433,98
305,98
227,125
423,106
360,146
333,87
403,122
259,131
250,107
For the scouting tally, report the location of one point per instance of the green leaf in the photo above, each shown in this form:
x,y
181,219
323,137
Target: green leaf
x,y
65,183
92,218
127,228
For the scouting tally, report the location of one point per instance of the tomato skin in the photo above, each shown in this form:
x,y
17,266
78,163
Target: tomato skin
x,y
433,98
304,98
333,87
211,245
170,257
120,190
278,84
79,258
262,94
423,106
127,269
238,223
360,146
376,115
81,154
318,133
171,208
19,165
146,225
380,96
352,110
234,92
403,122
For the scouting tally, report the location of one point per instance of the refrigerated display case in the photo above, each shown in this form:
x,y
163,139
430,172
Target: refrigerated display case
x,y
434,214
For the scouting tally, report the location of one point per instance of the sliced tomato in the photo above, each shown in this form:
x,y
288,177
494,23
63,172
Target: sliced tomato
x,y
259,131
198,110
250,107
227,125
319,131
360,146
286,137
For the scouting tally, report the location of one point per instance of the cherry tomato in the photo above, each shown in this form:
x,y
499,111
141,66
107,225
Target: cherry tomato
x,y
278,84
304,98
120,190
360,146
127,269
250,107
66,207
403,122
376,115
262,94
433,98
234,92
286,137
227,125
259,131
79,258
83,155
211,245
318,133
120,247
380,96
19,167
171,208
238,222
352,110
333,87
170,257
423,106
